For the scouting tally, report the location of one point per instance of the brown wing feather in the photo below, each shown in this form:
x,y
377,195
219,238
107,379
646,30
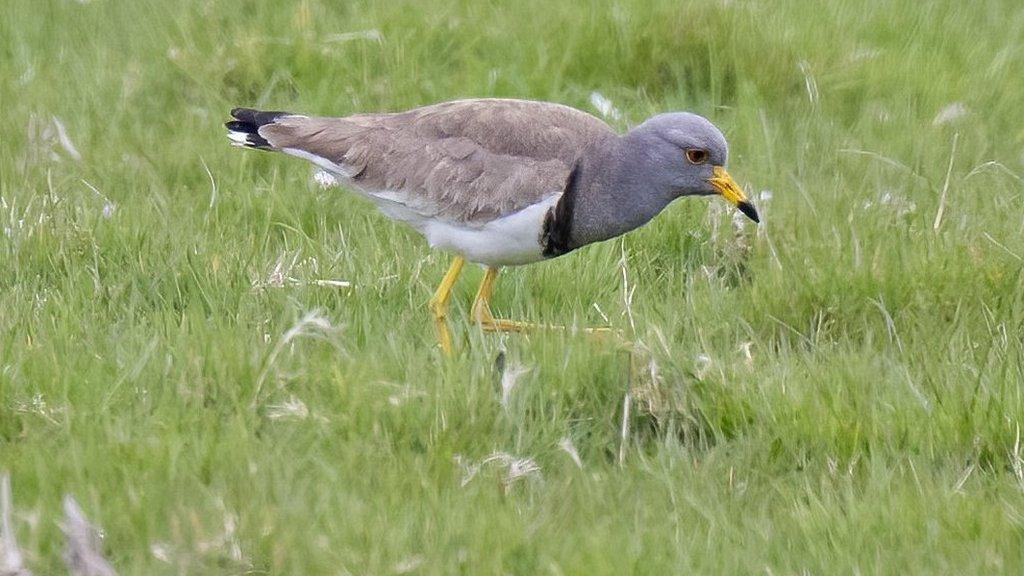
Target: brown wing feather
x,y
467,161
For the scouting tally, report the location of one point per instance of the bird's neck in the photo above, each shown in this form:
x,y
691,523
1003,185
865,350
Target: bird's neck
x,y
616,192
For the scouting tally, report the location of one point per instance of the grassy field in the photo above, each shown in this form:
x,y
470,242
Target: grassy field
x,y
837,391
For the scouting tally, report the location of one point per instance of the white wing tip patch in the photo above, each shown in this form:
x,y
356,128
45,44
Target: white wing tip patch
x,y
238,138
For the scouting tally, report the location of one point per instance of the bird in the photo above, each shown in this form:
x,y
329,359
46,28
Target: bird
x,y
504,182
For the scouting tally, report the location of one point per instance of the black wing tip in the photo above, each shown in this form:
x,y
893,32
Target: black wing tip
x,y
257,117
246,134
247,123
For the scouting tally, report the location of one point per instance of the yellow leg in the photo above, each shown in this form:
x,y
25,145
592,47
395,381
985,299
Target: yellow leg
x,y
439,304
481,312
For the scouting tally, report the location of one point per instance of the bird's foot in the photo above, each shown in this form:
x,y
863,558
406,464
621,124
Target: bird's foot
x,y
483,317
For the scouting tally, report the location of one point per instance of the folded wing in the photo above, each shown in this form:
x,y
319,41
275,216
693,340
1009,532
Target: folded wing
x,y
465,162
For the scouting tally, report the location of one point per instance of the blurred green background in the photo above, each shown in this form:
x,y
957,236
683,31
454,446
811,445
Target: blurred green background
x,y
835,391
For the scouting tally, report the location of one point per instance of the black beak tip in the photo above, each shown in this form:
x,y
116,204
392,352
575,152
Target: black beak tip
x,y
748,209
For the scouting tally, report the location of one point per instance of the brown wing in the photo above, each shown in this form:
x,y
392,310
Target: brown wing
x,y
467,161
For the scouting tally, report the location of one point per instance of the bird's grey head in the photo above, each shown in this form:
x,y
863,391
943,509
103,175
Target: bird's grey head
x,y
685,155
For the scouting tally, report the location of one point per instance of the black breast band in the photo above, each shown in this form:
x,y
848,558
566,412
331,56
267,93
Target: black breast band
x,y
554,236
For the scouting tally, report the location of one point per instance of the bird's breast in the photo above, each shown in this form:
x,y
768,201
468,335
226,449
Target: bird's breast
x,y
507,241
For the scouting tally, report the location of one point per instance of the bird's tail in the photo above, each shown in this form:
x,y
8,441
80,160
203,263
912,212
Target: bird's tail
x,y
244,130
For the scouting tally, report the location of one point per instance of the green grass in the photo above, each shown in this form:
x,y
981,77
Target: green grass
x,y
144,361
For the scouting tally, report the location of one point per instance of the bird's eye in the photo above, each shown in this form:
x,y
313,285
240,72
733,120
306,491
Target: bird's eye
x,y
696,156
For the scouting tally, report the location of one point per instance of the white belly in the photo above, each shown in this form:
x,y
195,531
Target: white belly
x,y
507,241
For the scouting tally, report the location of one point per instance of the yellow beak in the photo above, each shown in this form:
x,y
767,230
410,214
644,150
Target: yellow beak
x,y
732,192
